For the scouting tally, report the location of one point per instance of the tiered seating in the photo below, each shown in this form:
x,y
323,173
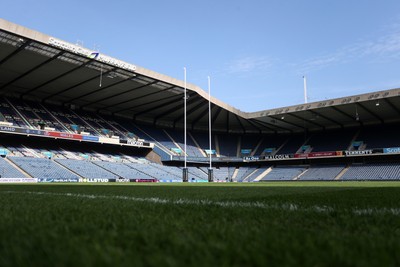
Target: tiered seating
x,y
324,141
197,173
292,145
42,168
9,171
249,142
191,148
122,170
321,173
202,140
154,172
283,173
11,115
254,175
228,145
376,171
243,172
271,141
222,174
86,169
372,136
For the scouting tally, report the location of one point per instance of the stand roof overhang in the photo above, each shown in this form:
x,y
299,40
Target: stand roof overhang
x,y
35,66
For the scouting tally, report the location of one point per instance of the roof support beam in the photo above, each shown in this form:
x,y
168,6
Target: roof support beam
x,y
269,125
240,123
304,119
392,105
290,123
76,85
171,110
59,76
343,113
255,126
202,114
158,106
30,71
16,51
144,104
325,117
190,110
127,100
98,90
370,112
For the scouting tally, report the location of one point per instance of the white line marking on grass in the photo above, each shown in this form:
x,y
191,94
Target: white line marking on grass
x,y
225,204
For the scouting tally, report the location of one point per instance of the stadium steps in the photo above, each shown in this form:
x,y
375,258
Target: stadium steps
x,y
262,175
339,176
109,170
20,115
299,150
235,172
217,154
197,145
174,142
301,174
350,147
249,175
56,119
239,145
257,147
68,169
18,168
279,148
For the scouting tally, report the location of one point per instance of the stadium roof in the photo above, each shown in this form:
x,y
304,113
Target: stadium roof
x,y
35,66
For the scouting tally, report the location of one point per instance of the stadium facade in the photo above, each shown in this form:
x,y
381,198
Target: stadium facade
x,y
91,117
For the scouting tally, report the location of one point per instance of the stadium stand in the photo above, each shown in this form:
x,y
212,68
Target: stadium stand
x,y
86,169
331,141
227,145
372,137
373,171
284,173
272,142
319,172
42,168
292,145
9,171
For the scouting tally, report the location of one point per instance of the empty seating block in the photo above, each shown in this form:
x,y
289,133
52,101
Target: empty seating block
x,y
86,169
9,171
377,171
42,168
321,173
283,173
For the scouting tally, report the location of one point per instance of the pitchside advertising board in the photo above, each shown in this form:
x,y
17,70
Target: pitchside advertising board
x,y
325,154
78,137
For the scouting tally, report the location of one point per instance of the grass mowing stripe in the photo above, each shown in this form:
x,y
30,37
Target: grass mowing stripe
x,y
227,204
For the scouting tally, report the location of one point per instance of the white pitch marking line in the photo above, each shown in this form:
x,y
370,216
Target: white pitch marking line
x,y
227,204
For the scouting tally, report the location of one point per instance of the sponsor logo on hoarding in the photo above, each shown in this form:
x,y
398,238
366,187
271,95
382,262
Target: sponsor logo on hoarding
x,y
358,152
283,156
58,180
18,180
91,54
251,158
96,180
7,129
391,150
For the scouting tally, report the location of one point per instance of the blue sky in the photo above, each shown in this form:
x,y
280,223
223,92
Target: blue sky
x,y
255,51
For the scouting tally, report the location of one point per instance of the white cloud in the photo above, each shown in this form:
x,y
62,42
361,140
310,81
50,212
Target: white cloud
x,y
249,64
384,47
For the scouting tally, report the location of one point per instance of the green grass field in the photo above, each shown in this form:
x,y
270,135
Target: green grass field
x,y
269,224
